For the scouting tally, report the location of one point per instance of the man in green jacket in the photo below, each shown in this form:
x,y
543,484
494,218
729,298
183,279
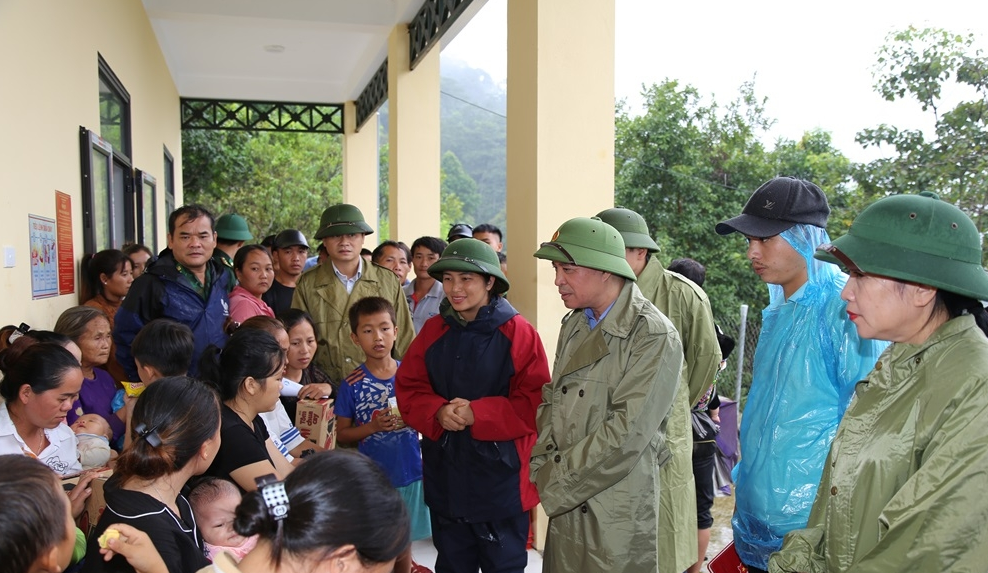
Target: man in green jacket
x,y
601,424
327,292
687,307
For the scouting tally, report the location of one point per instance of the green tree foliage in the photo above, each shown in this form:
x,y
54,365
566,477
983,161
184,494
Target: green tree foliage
x,y
274,180
459,191
922,65
685,165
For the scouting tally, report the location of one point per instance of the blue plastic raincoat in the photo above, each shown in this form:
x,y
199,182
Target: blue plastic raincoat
x,y
808,359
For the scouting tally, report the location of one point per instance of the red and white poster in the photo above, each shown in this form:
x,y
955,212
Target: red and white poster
x,y
66,257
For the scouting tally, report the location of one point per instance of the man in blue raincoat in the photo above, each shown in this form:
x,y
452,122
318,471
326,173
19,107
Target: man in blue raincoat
x,y
807,361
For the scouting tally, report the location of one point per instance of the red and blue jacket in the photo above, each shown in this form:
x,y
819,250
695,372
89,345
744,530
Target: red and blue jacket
x,y
498,363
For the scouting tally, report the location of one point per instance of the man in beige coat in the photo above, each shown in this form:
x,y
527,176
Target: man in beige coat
x,y
602,419
327,292
687,307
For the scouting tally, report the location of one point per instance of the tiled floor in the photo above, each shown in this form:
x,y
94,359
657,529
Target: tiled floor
x,y
424,552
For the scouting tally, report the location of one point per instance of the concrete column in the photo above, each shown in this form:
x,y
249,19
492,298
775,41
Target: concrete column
x,y
560,150
413,141
360,167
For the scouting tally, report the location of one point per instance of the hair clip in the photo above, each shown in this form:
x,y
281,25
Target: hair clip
x,y
149,435
274,495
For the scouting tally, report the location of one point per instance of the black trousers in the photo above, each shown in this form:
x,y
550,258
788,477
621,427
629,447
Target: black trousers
x,y
491,546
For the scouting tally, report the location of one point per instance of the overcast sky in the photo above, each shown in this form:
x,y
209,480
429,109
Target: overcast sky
x,y
812,60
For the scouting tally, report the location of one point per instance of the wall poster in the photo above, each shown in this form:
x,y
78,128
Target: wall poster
x,y
66,257
44,263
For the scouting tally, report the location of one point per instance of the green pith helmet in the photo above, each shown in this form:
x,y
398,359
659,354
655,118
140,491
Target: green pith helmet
x,y
232,227
471,256
632,226
589,243
342,219
915,238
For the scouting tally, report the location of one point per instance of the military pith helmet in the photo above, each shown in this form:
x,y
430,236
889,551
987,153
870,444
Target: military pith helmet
x,y
342,219
232,227
589,243
471,256
632,226
915,238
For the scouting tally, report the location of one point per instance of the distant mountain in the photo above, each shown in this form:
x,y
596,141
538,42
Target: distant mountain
x,y
474,128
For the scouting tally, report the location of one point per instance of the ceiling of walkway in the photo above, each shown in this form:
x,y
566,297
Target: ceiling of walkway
x,y
320,51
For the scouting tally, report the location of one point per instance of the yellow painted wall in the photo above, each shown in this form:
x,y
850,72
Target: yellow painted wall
x,y
49,86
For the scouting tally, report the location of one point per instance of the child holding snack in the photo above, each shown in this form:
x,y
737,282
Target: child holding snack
x,y
367,410
214,503
93,434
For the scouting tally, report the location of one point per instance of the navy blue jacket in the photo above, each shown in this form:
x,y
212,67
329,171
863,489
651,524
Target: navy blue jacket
x,y
163,292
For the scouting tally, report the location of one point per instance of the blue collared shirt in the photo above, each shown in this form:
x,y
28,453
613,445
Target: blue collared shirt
x,y
347,281
595,321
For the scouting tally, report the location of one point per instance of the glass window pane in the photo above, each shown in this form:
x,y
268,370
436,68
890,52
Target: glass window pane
x,y
147,200
113,117
101,199
118,205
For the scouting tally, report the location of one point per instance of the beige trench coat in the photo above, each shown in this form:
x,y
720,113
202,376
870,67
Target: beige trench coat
x,y
601,437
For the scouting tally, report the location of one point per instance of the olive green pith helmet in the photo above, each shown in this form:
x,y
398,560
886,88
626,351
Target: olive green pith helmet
x,y
232,227
915,238
342,219
632,226
471,256
589,243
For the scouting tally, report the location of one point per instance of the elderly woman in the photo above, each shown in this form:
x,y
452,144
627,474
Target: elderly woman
x,y
902,486
90,329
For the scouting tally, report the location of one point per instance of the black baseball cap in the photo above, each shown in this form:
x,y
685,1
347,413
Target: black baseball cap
x,y
778,205
290,238
459,231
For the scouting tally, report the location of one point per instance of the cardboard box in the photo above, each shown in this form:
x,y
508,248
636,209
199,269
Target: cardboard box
x,y
316,421
96,502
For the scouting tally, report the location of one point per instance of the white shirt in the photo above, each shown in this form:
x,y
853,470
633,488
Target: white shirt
x,y
281,430
61,455
347,281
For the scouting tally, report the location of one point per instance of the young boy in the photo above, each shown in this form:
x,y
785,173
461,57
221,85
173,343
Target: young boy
x,y
366,409
162,348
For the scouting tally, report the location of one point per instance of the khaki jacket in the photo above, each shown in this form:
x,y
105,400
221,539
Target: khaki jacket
x,y
321,293
687,307
601,437
903,486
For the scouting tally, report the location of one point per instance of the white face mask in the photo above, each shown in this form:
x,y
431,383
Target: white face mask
x,y
212,551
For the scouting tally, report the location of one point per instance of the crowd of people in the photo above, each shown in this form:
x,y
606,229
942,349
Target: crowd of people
x,y
182,372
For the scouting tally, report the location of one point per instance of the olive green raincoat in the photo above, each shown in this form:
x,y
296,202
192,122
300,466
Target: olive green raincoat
x,y
687,307
601,437
904,485
321,293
